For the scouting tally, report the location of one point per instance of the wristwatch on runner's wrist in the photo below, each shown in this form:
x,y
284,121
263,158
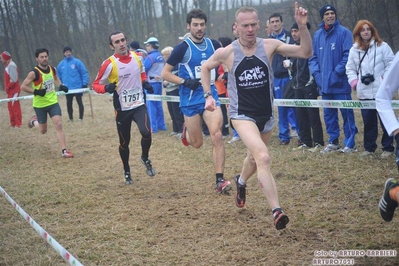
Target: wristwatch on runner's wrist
x,y
207,94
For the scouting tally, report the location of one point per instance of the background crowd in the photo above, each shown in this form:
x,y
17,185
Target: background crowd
x,y
343,60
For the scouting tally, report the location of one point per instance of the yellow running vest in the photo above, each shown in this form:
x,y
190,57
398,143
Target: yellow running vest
x,y
45,82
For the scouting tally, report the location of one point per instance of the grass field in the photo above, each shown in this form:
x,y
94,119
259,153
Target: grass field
x,y
176,218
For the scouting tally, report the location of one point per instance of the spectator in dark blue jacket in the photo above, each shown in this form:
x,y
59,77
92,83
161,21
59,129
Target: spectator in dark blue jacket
x,y
331,45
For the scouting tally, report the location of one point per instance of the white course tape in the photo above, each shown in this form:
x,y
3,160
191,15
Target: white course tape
x,y
294,102
31,96
327,104
68,257
353,104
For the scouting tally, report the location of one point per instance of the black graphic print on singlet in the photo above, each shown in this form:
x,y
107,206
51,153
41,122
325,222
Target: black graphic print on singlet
x,y
252,81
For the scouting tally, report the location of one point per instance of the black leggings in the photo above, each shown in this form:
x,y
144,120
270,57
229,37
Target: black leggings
x,y
124,124
69,99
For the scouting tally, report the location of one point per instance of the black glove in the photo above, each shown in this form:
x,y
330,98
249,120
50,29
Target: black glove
x,y
397,150
225,75
148,87
193,84
110,88
84,86
63,88
39,92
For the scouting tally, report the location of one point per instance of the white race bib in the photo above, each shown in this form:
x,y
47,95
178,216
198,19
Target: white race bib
x,y
130,97
48,85
198,74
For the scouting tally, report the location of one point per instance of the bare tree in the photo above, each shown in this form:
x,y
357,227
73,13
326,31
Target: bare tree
x,y
85,25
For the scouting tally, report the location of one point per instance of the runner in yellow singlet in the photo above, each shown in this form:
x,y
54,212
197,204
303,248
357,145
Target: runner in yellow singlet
x,y
42,82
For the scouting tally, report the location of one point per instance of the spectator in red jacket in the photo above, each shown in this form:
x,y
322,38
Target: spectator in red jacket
x,y
12,88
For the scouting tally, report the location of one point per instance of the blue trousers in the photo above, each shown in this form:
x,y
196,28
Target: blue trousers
x,y
235,133
331,120
155,110
286,115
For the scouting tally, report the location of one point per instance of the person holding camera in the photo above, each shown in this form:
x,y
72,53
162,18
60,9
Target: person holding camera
x,y
368,61
331,45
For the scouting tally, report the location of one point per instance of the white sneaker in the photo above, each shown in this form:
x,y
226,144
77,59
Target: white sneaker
x,y
234,139
366,154
293,134
331,148
386,154
348,150
301,147
315,148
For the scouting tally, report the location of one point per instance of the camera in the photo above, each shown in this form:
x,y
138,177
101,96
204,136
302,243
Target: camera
x,y
367,79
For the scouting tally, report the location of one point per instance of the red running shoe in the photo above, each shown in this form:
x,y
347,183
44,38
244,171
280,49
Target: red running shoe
x,y
67,154
223,187
183,136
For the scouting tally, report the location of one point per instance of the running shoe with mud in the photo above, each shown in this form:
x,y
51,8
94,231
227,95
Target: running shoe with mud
x,y
31,121
223,187
280,219
387,205
241,193
149,170
128,178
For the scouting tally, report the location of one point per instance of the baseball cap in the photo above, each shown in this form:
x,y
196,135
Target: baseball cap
x,y
152,40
